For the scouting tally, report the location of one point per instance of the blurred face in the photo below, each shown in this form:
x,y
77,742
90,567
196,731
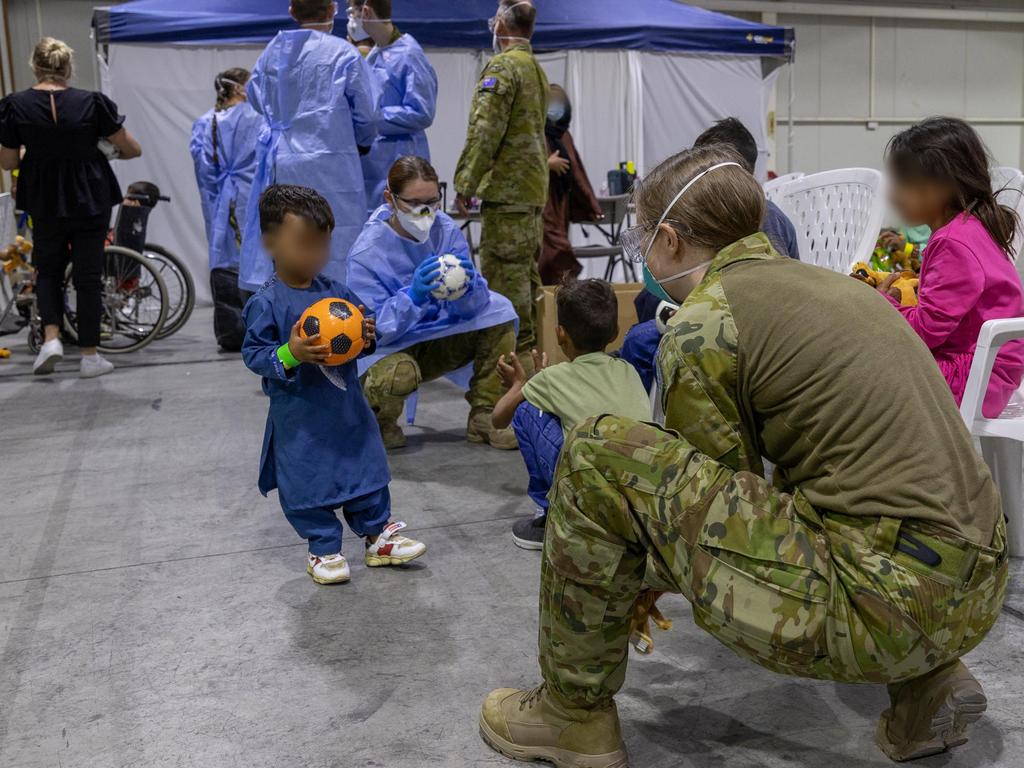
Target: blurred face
x,y
298,248
918,200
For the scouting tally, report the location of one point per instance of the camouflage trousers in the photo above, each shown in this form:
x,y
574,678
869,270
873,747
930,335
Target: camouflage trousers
x,y
510,241
395,377
816,595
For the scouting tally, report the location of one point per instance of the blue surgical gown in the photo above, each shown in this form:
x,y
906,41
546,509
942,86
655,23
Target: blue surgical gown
x,y
380,269
408,102
319,102
322,445
225,177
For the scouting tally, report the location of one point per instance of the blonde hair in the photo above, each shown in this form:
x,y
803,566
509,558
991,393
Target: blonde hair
x,y
52,60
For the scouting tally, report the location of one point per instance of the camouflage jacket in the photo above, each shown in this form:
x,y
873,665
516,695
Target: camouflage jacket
x,y
505,157
697,367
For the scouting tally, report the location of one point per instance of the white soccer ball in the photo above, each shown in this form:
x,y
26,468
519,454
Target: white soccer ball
x,y
454,280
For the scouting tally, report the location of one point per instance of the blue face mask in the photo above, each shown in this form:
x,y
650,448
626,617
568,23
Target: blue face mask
x,y
556,111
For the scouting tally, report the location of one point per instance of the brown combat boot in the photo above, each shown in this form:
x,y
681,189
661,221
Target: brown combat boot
x,y
388,412
534,725
481,430
930,714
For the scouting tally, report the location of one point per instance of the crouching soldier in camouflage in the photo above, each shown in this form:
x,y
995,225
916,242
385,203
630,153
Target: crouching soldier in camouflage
x,y
878,555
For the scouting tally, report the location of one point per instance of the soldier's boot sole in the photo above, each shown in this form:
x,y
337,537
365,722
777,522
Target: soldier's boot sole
x,y
561,758
963,706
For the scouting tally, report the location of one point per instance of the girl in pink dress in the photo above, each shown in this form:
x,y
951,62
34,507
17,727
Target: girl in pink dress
x,y
939,176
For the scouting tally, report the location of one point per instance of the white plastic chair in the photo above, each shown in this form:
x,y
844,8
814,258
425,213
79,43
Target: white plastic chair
x,y
837,215
1002,439
773,187
1008,184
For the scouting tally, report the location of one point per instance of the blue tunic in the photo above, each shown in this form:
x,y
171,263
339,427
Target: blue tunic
x,y
408,87
381,266
322,445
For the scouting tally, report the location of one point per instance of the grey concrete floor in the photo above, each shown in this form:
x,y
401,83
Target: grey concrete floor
x,y
155,611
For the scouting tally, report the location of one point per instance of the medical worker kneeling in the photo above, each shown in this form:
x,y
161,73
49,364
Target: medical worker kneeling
x,y
878,555
394,269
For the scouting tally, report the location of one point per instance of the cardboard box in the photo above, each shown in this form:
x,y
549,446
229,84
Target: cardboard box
x,y
547,318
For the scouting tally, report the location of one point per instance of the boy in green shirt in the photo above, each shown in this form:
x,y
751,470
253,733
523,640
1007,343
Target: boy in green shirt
x,y
543,410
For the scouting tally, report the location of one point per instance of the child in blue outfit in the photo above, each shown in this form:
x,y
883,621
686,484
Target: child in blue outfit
x,y
322,449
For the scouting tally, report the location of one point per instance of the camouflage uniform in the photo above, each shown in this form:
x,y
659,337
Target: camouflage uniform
x,y
395,377
504,163
799,589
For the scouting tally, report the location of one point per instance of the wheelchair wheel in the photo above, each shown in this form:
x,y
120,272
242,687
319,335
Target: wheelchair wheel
x,y
181,290
134,305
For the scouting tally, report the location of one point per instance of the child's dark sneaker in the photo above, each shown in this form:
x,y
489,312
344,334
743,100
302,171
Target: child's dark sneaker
x,y
391,548
328,569
528,533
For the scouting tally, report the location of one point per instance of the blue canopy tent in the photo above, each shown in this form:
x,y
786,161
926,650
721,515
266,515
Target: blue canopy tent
x,y
650,25
644,78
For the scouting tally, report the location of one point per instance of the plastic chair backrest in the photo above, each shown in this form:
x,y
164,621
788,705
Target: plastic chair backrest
x,y
837,215
994,334
1008,184
773,187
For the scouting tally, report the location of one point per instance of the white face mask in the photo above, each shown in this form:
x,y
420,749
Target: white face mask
x,y
417,225
355,29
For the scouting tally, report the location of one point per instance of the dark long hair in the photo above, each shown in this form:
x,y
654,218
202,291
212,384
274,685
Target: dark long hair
x,y
949,151
227,84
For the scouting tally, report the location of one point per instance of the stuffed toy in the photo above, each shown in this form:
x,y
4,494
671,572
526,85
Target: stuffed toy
x,y
903,288
895,253
645,610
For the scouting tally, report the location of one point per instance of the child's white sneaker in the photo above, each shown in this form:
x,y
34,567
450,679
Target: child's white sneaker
x,y
93,366
328,569
390,548
51,353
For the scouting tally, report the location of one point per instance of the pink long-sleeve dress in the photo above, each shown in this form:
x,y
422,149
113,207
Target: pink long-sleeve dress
x,y
967,279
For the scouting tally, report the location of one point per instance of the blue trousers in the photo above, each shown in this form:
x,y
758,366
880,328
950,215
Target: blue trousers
x,y
366,516
540,441
640,349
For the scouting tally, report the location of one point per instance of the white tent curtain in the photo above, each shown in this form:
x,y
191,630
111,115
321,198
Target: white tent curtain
x,y
627,105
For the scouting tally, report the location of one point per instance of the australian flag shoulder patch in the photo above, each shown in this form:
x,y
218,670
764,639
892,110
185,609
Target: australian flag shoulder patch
x,y
488,84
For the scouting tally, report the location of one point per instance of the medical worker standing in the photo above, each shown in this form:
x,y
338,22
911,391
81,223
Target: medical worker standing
x,y
408,93
223,149
394,269
319,102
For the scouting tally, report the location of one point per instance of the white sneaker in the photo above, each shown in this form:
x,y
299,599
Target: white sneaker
x,y
328,569
51,353
392,549
93,366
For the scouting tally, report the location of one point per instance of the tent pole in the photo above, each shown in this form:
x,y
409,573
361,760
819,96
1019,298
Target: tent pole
x,y
789,126
7,42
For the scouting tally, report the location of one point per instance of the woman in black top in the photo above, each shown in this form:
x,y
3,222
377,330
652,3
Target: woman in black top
x,y
51,134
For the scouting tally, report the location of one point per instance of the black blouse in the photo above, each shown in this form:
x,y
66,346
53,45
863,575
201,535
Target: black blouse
x,y
63,173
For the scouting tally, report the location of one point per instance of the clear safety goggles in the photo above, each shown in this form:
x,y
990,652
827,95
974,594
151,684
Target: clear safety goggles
x,y
633,241
418,207
492,22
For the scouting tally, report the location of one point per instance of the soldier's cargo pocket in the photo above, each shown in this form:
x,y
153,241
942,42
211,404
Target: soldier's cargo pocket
x,y
586,566
759,576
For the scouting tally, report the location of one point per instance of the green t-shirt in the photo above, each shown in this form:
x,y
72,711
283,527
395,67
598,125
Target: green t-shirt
x,y
591,385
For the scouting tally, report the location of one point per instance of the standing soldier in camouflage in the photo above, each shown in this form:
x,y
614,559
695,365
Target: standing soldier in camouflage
x,y
504,163
879,555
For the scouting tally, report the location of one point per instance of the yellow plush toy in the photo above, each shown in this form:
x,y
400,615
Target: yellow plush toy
x,y
903,288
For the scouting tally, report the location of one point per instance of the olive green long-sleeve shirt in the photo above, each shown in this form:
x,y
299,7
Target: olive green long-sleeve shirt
x,y
817,373
505,156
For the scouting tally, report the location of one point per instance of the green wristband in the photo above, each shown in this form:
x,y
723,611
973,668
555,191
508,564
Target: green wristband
x,y
288,360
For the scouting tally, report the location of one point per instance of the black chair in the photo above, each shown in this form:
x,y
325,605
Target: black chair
x,y
616,214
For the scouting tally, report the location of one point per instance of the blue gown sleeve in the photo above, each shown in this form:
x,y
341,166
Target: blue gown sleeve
x,y
419,98
395,312
206,179
259,349
363,94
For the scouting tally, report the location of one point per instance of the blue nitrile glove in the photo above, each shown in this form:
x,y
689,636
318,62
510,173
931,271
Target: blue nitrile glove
x,y
426,278
471,273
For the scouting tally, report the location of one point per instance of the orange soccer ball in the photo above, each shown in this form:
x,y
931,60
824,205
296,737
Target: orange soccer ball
x,y
339,324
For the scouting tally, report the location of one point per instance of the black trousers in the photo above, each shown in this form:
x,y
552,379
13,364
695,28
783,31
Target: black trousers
x,y
228,301
79,242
